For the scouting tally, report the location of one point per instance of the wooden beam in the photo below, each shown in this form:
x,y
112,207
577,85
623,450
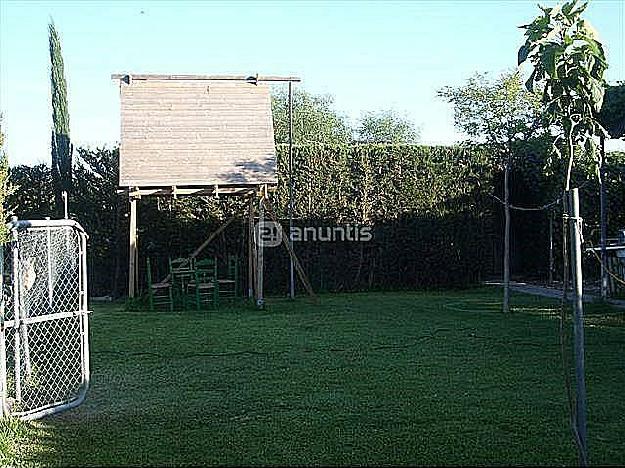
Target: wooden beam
x,y
246,78
260,262
250,250
199,191
287,244
132,249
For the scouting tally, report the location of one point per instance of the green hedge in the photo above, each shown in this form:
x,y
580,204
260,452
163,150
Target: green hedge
x,y
429,209
369,183
434,221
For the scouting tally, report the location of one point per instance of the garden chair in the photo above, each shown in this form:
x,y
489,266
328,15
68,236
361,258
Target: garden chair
x,y
228,286
181,274
159,294
205,283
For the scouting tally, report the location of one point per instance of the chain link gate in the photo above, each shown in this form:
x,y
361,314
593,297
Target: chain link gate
x,y
44,336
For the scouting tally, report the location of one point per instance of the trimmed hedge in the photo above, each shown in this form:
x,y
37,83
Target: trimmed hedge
x,y
428,207
433,218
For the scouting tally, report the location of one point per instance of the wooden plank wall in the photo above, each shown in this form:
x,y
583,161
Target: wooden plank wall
x,y
191,132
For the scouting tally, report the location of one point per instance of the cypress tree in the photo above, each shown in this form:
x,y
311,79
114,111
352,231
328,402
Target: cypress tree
x,y
61,145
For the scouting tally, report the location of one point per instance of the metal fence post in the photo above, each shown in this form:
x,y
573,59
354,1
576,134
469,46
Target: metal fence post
x,y
83,307
578,322
3,355
291,265
49,258
16,314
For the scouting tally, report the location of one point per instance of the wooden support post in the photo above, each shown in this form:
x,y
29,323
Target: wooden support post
x,y
260,299
250,250
132,249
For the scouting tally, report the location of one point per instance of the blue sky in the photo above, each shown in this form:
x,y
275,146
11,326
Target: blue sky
x,y
368,55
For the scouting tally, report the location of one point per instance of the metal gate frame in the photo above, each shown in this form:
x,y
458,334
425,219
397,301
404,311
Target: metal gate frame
x,y
21,319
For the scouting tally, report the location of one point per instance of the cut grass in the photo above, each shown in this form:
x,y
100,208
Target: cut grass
x,y
393,378
14,436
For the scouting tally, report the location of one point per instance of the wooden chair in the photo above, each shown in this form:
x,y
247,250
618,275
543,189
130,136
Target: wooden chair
x,y
181,274
228,286
205,283
160,295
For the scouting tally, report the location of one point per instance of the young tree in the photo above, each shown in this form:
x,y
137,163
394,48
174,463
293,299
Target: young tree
x,y
386,127
568,65
62,148
501,116
314,118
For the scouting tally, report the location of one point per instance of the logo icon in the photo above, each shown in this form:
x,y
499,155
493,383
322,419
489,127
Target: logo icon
x,y
268,233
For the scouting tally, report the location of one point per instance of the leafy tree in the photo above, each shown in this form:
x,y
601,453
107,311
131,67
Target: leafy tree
x,y
568,65
314,119
32,198
504,118
62,148
99,209
386,127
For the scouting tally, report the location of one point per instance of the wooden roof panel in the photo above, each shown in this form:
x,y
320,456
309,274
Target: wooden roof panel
x,y
195,132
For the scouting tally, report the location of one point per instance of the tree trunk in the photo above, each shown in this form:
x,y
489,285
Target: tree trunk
x,y
506,242
56,177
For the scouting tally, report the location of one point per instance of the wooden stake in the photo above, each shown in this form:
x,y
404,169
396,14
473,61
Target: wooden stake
x,y
132,249
250,250
298,267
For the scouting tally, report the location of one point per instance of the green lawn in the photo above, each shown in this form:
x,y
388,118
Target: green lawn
x,y
395,378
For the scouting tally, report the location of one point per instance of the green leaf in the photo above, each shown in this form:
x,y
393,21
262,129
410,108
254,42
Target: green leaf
x,y
549,58
523,53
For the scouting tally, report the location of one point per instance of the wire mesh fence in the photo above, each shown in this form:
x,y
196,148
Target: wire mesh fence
x,y
44,346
